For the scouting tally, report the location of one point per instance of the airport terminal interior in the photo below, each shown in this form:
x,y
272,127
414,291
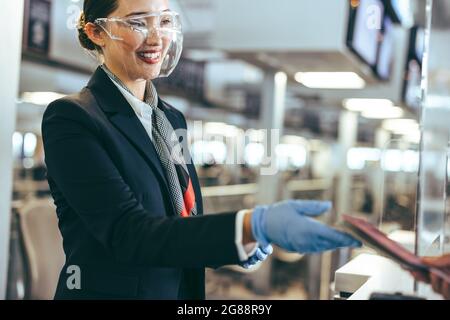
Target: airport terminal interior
x,y
343,100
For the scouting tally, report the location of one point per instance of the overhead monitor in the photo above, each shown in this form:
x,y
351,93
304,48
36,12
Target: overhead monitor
x,y
419,43
401,11
365,24
386,55
412,87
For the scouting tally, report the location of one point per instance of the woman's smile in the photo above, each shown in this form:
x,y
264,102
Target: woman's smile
x,y
150,56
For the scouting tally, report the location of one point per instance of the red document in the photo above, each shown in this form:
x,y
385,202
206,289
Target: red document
x,y
371,236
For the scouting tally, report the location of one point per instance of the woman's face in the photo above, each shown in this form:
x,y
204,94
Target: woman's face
x,y
136,56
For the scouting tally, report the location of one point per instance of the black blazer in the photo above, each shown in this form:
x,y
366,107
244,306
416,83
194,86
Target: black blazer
x,y
117,221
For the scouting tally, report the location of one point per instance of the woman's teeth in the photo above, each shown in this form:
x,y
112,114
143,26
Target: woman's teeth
x,y
153,56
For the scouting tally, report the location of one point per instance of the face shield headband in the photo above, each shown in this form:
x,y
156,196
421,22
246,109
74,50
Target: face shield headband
x,y
163,30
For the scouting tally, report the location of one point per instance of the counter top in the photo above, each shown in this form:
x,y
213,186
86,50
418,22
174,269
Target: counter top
x,y
369,273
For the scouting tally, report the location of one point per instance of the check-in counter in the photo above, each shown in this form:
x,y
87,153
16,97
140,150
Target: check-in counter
x,y
370,273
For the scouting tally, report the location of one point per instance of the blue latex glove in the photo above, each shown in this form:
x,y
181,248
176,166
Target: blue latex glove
x,y
260,255
290,225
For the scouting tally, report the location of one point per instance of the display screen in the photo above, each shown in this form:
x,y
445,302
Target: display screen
x,y
386,55
401,9
413,74
412,90
365,27
420,43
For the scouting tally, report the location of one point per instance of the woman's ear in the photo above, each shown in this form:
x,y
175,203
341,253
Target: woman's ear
x,y
95,34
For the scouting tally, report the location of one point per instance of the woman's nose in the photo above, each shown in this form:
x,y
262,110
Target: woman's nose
x,y
154,37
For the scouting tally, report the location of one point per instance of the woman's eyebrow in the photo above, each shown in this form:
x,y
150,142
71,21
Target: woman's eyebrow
x,y
142,12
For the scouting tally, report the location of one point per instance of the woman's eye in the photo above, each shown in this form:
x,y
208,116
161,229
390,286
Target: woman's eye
x,y
136,23
166,22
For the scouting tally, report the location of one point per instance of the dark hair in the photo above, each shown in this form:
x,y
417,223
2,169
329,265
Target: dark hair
x,y
92,10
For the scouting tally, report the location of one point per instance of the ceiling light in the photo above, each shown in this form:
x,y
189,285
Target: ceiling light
x,y
330,80
383,113
361,105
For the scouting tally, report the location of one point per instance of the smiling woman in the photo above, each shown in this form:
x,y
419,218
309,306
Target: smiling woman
x,y
127,194
119,193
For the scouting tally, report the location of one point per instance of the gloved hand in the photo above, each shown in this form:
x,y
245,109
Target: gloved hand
x,y
290,225
261,254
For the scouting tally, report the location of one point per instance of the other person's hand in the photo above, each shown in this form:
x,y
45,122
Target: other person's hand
x,y
439,281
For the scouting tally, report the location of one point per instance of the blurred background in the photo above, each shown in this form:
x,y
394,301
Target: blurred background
x,y
345,82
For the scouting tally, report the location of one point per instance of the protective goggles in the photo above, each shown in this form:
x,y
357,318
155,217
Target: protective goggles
x,y
164,27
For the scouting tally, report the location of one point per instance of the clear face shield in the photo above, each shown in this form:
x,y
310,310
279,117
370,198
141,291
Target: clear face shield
x,y
157,38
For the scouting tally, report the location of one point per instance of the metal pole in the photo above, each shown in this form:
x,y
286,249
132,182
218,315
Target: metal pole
x,y
272,121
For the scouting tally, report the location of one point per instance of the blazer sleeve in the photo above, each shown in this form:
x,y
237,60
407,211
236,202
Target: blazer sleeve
x,y
93,187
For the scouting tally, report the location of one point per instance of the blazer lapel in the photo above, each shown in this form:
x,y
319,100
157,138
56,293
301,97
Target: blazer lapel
x,y
124,119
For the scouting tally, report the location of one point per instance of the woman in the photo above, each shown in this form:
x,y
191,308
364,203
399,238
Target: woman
x,y
129,206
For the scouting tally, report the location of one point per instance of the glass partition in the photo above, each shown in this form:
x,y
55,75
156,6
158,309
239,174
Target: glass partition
x,y
400,166
432,214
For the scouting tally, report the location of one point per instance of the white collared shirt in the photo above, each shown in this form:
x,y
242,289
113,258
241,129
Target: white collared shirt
x,y
142,110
